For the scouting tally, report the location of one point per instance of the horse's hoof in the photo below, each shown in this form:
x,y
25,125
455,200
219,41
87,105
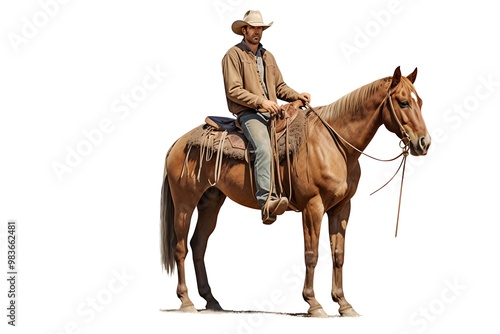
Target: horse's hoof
x,y
349,312
214,307
318,313
188,309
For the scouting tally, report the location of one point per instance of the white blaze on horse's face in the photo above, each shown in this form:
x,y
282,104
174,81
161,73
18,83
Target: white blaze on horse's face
x,y
414,96
419,136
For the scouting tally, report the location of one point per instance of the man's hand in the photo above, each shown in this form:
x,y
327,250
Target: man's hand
x,y
271,106
305,98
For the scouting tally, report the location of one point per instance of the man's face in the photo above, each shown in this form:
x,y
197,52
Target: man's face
x,y
252,34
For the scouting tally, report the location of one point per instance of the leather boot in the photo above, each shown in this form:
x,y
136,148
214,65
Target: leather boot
x,y
274,207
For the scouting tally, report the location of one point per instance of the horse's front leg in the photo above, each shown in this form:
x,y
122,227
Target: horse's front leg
x,y
337,226
311,220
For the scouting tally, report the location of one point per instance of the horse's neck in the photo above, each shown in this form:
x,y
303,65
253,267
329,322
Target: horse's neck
x,y
356,122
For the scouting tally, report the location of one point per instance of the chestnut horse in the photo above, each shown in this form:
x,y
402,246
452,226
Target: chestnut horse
x,y
324,181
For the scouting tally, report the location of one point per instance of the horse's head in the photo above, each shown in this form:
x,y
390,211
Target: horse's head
x,y
402,114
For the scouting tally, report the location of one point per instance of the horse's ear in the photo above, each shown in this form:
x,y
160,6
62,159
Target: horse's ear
x,y
396,77
412,76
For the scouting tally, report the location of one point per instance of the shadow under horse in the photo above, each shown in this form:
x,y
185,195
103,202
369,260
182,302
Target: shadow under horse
x,y
323,182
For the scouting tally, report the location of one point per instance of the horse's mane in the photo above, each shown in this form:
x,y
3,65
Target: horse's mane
x,y
352,102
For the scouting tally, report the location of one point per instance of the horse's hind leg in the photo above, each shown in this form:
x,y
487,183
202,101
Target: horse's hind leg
x,y
208,210
182,218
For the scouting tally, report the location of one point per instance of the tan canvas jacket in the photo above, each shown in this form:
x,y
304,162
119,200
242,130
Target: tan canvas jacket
x,y
243,84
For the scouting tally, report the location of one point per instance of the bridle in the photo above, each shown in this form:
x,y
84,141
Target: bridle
x,y
393,112
404,145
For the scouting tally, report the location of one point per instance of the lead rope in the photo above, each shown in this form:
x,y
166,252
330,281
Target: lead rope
x,y
401,191
403,164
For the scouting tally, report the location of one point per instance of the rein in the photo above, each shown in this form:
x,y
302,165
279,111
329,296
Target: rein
x,y
275,161
403,145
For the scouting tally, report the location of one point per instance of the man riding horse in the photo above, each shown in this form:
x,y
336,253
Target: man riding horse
x,y
333,138
253,84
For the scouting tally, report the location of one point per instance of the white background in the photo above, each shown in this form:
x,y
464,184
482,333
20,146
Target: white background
x,y
79,231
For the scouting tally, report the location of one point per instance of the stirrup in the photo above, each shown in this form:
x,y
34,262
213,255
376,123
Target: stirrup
x,y
267,219
268,216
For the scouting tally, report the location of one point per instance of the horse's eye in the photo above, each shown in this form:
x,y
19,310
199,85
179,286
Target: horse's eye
x,y
404,104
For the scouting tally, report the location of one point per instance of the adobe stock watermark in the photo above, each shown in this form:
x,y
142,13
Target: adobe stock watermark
x,y
292,282
454,117
122,107
88,310
33,24
436,309
222,7
364,35
250,321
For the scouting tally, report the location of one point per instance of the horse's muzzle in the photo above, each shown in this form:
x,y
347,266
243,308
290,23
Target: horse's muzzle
x,y
420,146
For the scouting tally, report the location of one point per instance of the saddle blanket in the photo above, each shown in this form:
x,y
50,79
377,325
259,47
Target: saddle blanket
x,y
235,145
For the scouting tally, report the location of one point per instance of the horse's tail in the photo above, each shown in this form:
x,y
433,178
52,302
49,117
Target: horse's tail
x,y
167,233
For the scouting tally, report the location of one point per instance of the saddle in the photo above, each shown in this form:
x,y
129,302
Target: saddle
x,y
222,137
220,123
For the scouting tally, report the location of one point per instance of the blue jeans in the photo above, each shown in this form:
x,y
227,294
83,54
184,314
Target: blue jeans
x,y
255,128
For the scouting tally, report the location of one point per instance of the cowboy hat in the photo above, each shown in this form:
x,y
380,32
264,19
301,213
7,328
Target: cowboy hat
x,y
251,18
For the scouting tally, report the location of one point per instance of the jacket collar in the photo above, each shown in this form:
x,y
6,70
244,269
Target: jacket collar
x,y
243,46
